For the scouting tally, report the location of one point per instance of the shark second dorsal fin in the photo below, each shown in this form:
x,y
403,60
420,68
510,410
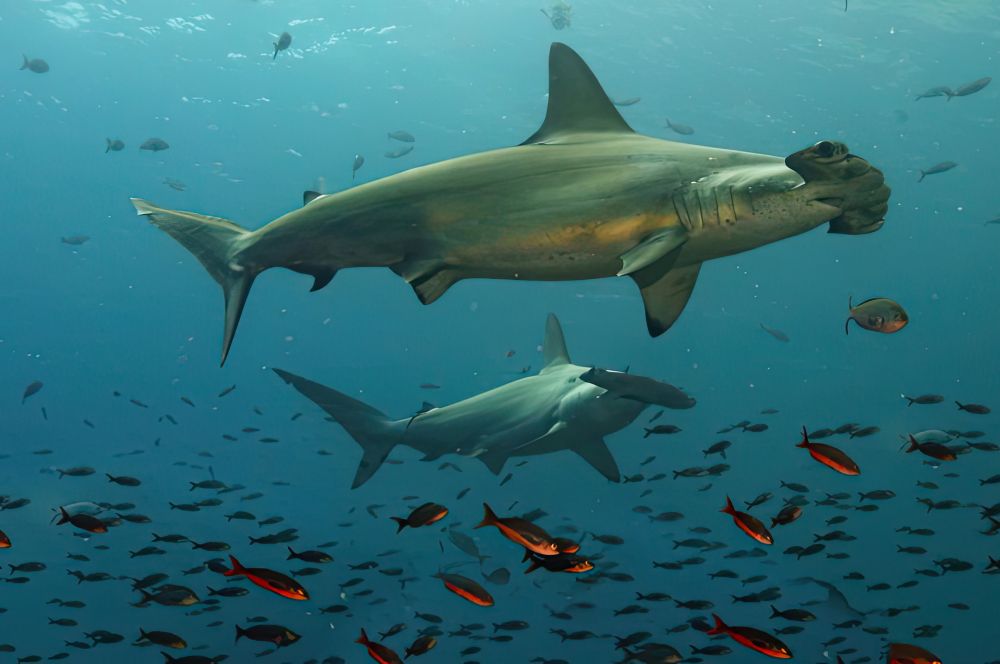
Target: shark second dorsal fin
x,y
554,353
577,102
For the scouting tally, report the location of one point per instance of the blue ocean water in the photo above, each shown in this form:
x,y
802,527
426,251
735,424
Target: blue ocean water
x,y
129,311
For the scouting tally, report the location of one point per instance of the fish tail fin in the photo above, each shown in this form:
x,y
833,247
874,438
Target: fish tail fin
x,y
291,553
371,429
363,638
805,439
237,567
861,496
909,400
960,406
239,632
63,516
216,244
167,657
729,508
107,149
25,65
275,56
774,611
912,445
400,523
489,517
720,626
922,173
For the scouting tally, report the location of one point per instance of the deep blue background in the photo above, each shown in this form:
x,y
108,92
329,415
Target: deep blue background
x,y
132,311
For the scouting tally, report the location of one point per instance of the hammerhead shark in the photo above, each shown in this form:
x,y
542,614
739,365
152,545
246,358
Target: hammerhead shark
x,y
584,197
558,409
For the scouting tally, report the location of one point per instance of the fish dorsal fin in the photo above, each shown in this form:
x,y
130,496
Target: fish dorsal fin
x,y
309,196
554,353
577,102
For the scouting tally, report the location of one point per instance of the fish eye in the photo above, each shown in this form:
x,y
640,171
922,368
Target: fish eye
x,y
825,149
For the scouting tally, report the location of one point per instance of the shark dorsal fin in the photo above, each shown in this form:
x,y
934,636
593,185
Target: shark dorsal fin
x,y
309,196
577,102
554,353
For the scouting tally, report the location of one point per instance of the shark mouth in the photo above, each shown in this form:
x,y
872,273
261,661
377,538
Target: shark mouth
x,y
845,182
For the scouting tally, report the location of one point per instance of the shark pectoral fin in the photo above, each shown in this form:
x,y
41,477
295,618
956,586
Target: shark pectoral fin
x,y
554,353
651,250
665,294
494,460
577,102
595,452
429,279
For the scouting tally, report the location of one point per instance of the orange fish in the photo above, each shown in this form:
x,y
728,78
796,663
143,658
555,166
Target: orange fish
x,y
748,523
4,540
904,653
754,639
564,562
380,653
566,545
522,532
424,515
933,450
269,580
82,521
466,589
828,455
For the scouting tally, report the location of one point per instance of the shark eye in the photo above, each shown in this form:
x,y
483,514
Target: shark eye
x,y
825,149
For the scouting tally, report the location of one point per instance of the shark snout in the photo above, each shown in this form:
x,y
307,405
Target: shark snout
x,y
852,187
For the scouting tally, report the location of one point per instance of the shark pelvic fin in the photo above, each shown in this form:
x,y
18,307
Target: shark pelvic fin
x,y
652,249
429,280
595,452
554,353
371,429
494,460
577,102
665,291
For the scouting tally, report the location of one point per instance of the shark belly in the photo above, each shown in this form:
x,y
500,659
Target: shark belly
x,y
536,212
495,422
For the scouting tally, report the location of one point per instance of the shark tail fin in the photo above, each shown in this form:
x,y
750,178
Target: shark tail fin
x,y
215,243
554,353
370,428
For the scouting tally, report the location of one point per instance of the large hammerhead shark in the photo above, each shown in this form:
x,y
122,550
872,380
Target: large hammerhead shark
x,y
564,407
584,197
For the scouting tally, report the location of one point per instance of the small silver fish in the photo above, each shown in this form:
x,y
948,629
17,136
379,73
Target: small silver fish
x,y
937,168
